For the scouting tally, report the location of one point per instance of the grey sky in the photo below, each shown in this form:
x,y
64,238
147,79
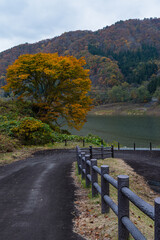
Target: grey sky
x,y
33,20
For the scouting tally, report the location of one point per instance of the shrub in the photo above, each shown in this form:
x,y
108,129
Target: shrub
x,y
94,139
8,144
7,125
14,109
31,131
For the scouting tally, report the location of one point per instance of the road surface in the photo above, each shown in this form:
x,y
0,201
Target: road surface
x,y
37,197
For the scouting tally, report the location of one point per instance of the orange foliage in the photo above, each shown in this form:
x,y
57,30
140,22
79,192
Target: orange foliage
x,y
57,85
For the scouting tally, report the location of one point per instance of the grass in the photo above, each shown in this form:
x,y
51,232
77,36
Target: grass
x,y
93,225
19,154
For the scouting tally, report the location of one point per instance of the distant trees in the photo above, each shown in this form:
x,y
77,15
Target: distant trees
x,y
137,66
58,86
104,72
119,93
140,95
153,84
124,93
157,94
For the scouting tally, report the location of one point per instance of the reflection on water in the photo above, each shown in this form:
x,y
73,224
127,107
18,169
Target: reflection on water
x,y
125,129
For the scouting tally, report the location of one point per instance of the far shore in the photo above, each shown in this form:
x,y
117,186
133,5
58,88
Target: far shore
x,y
125,109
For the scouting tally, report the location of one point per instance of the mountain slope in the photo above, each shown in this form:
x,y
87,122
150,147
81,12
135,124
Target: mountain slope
x,y
110,52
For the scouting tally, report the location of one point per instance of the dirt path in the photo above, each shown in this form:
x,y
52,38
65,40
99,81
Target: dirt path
x,y
145,163
36,197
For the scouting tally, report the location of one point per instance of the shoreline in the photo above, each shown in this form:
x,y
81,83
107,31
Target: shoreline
x,y
127,109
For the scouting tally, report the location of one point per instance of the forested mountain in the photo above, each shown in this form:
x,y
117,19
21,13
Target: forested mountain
x,y
125,55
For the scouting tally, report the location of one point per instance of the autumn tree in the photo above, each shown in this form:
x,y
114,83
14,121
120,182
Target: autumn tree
x,y
57,86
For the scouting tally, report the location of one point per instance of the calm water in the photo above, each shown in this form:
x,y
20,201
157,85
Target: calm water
x,y
124,129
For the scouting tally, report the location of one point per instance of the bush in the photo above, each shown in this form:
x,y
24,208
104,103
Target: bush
x,y
14,109
31,131
8,144
7,125
93,139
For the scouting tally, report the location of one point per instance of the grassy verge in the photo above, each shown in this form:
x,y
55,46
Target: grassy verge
x,y
91,224
27,151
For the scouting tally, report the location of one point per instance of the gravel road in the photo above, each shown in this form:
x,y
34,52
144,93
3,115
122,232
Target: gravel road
x,y
36,197
37,194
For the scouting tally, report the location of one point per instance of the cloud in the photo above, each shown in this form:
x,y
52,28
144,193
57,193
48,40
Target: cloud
x,y
33,20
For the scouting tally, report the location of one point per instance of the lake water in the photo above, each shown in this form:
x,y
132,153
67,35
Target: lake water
x,y
124,129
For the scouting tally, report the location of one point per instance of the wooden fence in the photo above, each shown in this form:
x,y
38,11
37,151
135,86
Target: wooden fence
x,y
89,171
99,152
150,146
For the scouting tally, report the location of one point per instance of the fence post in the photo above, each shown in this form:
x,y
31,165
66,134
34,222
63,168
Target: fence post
x,y
118,146
82,164
157,219
78,159
94,177
101,141
102,152
150,145
65,142
112,151
83,142
134,146
104,189
91,152
123,207
87,167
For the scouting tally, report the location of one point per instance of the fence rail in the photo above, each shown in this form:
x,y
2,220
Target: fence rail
x,y
136,147
99,152
87,167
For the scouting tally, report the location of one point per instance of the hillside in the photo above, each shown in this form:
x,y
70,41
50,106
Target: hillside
x,y
128,51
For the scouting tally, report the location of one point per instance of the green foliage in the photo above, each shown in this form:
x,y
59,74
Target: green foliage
x,y
119,94
93,139
134,64
57,129
14,109
7,125
157,94
140,95
99,98
153,84
31,131
142,72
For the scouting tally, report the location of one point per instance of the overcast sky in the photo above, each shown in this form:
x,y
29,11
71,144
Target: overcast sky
x,y
34,20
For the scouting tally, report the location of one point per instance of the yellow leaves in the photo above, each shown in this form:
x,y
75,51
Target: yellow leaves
x,y
57,84
23,76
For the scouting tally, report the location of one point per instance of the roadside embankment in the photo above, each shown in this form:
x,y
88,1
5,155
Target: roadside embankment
x,y
140,166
